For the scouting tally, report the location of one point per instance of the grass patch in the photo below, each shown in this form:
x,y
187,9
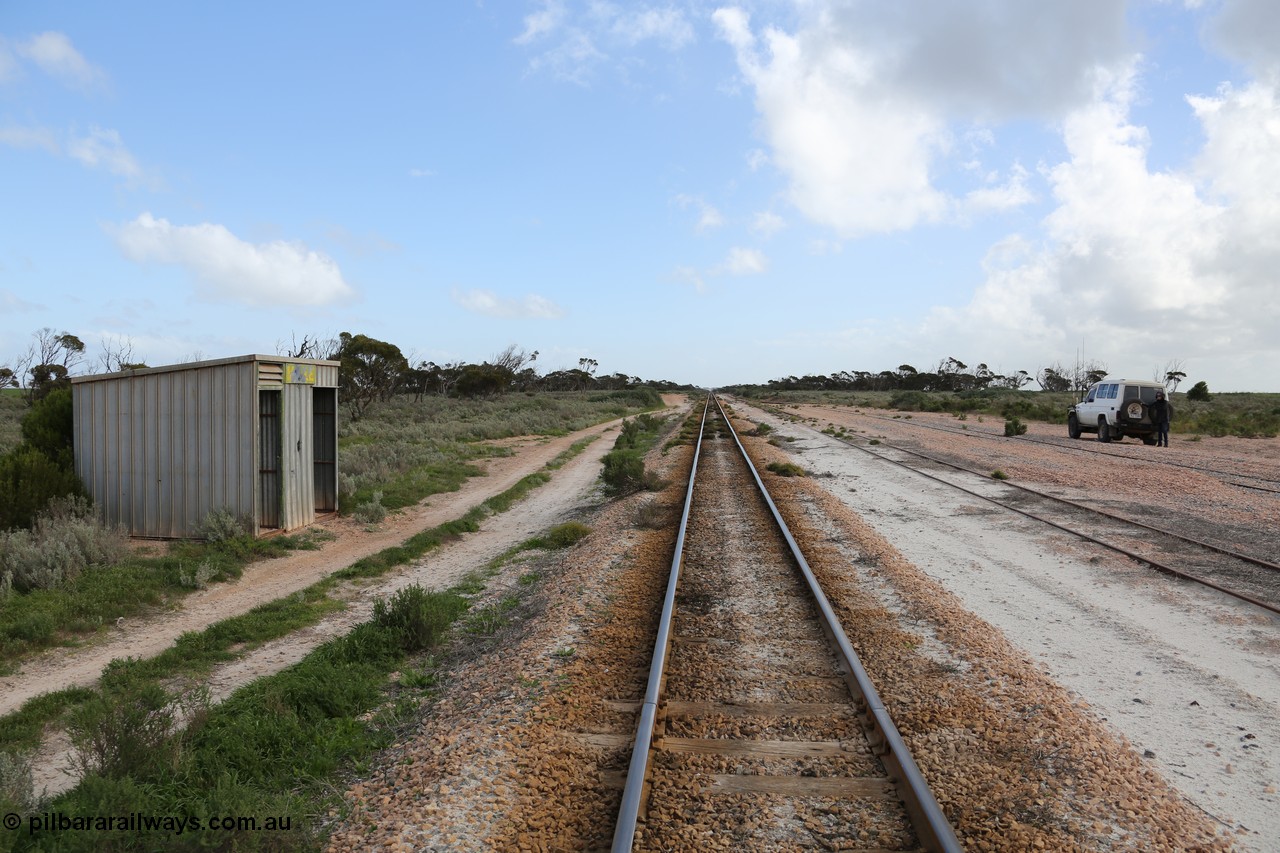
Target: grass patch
x,y
785,469
624,469
195,653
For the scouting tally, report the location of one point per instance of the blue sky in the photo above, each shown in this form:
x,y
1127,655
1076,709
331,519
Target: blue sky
x,y
711,193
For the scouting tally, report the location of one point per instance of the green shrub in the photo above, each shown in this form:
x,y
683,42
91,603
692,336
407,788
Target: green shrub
x,y
125,732
1013,426
624,472
1200,392
49,426
416,618
999,475
29,479
564,535
786,469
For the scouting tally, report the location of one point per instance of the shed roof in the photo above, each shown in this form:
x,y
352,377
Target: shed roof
x,y
195,365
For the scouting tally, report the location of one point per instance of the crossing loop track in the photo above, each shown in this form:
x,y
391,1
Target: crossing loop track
x,y
1159,565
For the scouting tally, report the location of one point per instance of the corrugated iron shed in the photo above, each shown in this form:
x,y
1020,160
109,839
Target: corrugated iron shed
x,y
257,435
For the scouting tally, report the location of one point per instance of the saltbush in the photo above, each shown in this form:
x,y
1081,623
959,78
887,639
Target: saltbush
x,y
65,540
221,525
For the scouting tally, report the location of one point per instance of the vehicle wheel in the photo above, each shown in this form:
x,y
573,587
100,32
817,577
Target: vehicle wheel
x,y
1134,411
1148,440
1104,431
1073,426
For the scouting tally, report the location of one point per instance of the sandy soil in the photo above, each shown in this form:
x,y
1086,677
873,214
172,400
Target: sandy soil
x,y
1190,677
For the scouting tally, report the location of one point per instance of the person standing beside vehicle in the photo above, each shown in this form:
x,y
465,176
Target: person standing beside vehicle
x,y
1159,413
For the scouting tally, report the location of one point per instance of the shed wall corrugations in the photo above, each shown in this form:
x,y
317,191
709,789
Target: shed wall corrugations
x,y
159,451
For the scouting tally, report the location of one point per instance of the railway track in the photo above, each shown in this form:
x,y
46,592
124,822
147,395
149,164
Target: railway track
x,y
1239,575
1263,483
759,723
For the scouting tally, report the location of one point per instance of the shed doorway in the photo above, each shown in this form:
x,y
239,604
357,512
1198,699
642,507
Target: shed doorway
x,y
269,480
324,412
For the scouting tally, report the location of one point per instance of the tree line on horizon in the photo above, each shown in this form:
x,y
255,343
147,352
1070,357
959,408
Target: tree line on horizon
x,y
371,370
954,375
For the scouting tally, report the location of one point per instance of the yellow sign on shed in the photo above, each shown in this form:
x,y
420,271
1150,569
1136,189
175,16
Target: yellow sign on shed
x,y
299,374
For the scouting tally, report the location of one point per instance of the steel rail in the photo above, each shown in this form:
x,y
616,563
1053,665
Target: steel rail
x,y
624,832
1257,561
932,827
1155,564
1077,448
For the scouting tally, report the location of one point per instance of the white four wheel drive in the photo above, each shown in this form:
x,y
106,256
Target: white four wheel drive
x,y
1115,408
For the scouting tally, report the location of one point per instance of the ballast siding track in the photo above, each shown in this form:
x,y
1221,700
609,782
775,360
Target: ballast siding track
x,y
1239,575
751,695
1089,448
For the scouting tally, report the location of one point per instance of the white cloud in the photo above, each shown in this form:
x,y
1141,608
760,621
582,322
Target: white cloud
x,y
488,303
228,269
105,148
542,22
421,173
742,261
1011,194
54,54
580,40
29,137
757,158
1144,265
708,217
857,102
668,26
1249,30
766,224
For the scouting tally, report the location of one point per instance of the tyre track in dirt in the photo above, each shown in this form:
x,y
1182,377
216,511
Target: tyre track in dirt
x,y
269,580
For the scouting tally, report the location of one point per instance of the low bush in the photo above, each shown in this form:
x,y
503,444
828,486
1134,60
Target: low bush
x,y
125,732
17,785
624,470
417,618
652,516
564,535
786,469
371,511
29,479
66,539
1014,427
221,525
